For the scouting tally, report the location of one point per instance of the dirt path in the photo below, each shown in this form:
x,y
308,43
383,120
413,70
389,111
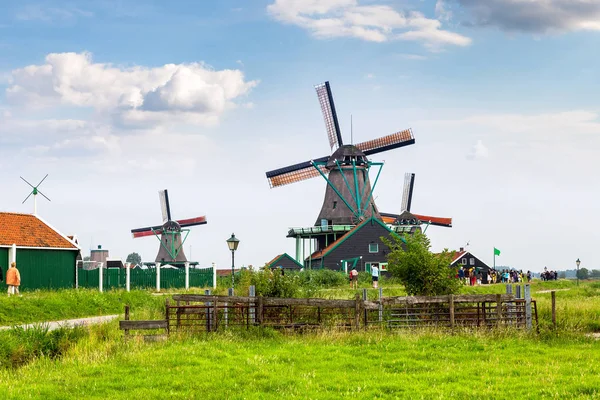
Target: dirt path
x,y
69,323
553,290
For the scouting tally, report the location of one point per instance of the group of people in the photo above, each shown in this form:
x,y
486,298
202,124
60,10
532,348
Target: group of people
x,y
475,276
549,275
13,279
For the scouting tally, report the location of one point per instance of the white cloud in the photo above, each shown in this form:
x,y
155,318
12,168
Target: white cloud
x,y
478,151
370,76
122,101
536,16
416,57
375,23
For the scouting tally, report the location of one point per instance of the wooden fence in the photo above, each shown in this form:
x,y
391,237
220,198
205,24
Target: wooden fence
x,y
209,313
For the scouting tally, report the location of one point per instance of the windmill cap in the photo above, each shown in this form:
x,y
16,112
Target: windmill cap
x,y
346,153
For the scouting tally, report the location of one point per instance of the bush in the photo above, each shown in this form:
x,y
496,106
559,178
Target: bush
x,y
420,271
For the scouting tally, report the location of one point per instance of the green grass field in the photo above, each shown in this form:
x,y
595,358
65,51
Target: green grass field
x,y
372,365
97,363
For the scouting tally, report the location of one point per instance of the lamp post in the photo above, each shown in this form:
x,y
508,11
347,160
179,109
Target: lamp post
x,y
577,262
232,243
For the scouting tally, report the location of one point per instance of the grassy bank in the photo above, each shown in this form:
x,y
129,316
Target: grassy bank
x,y
43,305
327,365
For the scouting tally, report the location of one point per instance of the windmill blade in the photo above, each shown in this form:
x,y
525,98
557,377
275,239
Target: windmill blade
x,y
389,142
43,195
329,115
407,192
42,180
148,231
192,221
295,173
164,205
27,198
437,221
27,182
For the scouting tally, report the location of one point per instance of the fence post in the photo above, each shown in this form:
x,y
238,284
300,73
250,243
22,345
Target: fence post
x,y
167,315
518,292
357,311
226,310
100,279
527,294
128,278
260,311
509,288
553,293
451,305
252,310
187,275
208,318
214,268
498,308
380,293
364,309
157,276
126,319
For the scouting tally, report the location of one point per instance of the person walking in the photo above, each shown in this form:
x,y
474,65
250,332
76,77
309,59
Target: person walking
x,y
375,275
13,279
354,276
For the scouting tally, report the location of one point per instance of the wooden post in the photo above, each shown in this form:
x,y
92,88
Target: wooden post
x,y
380,305
127,319
365,314
498,309
527,294
357,311
215,314
260,311
208,310
252,309
553,293
509,288
167,315
451,304
518,296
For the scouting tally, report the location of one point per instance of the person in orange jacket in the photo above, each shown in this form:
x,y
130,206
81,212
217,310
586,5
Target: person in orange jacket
x,y
13,279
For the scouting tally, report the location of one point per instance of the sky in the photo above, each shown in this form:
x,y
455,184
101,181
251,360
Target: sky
x,y
116,100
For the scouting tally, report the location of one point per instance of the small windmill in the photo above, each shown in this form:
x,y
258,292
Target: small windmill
x,y
349,193
35,191
169,233
406,217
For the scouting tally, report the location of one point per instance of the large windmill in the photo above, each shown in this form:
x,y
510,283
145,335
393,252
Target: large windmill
x,y
169,233
349,194
35,191
407,217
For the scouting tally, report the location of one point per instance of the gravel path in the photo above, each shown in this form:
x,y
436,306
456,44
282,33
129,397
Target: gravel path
x,y
52,325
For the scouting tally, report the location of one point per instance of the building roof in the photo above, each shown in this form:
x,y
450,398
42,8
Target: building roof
x,y
28,230
323,252
277,259
458,255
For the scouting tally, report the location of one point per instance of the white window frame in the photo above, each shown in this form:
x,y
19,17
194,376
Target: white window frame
x,y
464,261
377,248
472,261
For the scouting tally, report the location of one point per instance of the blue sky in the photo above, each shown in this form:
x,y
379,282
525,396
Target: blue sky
x,y
118,99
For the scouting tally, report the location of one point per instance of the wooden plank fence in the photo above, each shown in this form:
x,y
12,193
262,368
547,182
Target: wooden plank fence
x,y
209,313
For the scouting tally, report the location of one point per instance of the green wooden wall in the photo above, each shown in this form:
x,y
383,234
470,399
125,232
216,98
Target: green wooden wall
x,y
3,265
46,269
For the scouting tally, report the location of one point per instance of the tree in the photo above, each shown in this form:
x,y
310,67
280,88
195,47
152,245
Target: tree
x,y
134,258
595,273
583,273
420,271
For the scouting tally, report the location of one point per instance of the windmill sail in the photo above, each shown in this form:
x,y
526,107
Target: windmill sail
x,y
409,184
329,115
164,205
389,142
295,173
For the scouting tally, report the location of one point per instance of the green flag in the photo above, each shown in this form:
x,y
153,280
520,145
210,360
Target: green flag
x,y
496,252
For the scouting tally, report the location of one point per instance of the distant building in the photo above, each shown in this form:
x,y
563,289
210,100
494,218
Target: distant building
x,y
466,259
284,261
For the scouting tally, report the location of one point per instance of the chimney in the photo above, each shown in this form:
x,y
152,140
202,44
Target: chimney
x,y
462,249
100,247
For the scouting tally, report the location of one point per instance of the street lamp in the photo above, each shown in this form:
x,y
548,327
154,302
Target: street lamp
x,y
577,262
232,243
